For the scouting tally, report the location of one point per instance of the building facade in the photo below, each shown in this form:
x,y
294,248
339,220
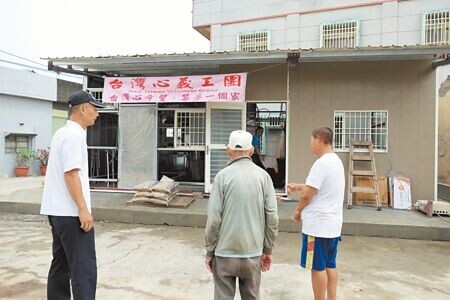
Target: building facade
x,y
387,95
26,103
32,107
348,24
348,69
259,25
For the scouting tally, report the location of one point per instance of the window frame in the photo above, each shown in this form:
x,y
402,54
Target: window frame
x,y
29,137
344,149
176,127
424,31
268,40
357,33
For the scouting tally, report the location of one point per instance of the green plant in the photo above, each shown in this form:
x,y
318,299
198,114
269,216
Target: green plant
x,y
23,156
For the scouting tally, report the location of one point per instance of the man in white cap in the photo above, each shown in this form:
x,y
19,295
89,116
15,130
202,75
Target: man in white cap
x,y
242,222
66,200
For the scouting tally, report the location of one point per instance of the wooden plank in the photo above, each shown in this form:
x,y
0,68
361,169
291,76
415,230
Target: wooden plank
x,y
361,143
177,202
363,173
362,157
181,202
361,189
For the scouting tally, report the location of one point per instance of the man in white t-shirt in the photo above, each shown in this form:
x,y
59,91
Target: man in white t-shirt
x,y
320,209
66,200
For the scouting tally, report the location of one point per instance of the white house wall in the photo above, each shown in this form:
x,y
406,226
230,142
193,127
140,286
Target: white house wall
x,y
292,25
27,98
27,84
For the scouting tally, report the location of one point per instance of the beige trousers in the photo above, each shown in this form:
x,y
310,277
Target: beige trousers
x,y
227,269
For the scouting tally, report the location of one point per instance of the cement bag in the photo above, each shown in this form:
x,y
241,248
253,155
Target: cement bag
x,y
145,186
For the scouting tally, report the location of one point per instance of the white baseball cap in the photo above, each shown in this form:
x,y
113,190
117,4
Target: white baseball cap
x,y
240,140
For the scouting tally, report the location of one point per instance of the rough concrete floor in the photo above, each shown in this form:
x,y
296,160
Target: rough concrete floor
x,y
154,262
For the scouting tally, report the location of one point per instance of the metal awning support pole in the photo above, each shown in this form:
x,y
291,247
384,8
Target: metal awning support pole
x,y
286,125
59,69
445,60
440,63
107,166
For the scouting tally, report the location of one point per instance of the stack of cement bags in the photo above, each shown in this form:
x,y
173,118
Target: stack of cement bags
x,y
160,193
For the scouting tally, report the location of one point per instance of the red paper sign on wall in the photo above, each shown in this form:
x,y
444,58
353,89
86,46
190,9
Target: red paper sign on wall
x,y
206,88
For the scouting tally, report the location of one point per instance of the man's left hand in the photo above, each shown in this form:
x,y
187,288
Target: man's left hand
x,y
208,263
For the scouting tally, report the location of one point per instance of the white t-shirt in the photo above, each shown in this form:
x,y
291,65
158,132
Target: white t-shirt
x,y
68,151
323,216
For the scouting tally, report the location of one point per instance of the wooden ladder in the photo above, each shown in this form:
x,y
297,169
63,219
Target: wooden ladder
x,y
363,158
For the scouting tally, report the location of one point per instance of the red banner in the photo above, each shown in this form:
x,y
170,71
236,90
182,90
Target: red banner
x,y
206,88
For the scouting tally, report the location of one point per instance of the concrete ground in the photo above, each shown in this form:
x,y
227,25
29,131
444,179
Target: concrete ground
x,y
23,195
162,262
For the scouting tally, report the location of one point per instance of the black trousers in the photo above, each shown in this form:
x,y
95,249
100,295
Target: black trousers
x,y
257,161
74,261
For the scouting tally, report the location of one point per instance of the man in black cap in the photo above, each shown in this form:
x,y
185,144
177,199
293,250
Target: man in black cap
x,y
66,200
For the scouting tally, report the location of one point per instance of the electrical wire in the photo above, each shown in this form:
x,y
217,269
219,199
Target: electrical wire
x,y
23,65
268,67
443,219
35,68
20,57
28,66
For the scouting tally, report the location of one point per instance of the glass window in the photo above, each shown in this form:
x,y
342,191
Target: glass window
x,y
361,126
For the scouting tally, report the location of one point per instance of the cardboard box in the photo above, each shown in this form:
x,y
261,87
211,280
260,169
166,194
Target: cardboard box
x,y
369,199
400,193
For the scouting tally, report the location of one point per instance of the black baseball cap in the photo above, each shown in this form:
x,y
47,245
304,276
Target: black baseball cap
x,y
81,97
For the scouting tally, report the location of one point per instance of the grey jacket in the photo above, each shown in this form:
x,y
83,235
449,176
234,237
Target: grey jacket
x,y
242,211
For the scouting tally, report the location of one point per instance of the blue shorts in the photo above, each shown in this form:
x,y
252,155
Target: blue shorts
x,y
318,253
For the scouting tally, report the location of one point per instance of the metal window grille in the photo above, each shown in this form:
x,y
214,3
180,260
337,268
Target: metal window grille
x,y
97,93
190,128
339,35
361,126
437,28
255,41
14,142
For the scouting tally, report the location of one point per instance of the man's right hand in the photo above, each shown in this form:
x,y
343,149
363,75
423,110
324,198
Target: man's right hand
x,y
86,220
297,216
294,187
291,188
266,262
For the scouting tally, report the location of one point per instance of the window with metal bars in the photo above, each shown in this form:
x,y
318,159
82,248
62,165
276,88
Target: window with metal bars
x,y
253,42
16,142
361,126
339,35
437,28
190,128
97,93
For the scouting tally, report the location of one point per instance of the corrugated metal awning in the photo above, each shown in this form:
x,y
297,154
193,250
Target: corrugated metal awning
x,y
209,63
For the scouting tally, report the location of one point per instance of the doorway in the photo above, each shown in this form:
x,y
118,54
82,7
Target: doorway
x,y
271,118
102,141
221,119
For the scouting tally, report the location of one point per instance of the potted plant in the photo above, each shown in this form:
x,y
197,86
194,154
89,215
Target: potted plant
x,y
22,157
42,155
